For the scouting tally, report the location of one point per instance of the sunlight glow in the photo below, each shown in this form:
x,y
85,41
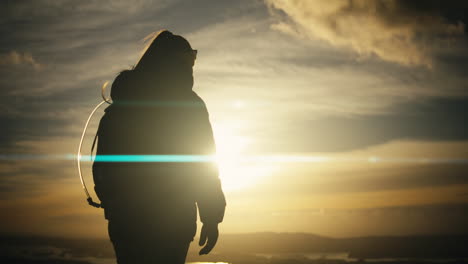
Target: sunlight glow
x,y
237,171
238,104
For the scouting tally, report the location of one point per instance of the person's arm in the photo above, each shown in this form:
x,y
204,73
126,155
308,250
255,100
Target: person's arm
x,y
211,206
210,199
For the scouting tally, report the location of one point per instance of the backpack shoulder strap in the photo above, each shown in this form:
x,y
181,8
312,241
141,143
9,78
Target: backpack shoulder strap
x,y
94,141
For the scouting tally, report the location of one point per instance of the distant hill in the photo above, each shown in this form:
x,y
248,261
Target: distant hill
x,y
237,248
424,246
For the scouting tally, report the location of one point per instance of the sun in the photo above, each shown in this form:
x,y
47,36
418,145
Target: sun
x,y
237,172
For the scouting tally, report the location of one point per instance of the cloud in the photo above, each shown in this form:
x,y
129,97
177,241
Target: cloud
x,y
395,31
431,120
17,58
303,88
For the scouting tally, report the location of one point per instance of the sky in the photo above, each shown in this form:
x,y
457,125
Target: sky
x,y
338,118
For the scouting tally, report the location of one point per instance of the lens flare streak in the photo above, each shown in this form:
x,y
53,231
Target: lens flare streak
x,y
241,159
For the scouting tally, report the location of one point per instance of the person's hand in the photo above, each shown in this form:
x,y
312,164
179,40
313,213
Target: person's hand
x,y
209,232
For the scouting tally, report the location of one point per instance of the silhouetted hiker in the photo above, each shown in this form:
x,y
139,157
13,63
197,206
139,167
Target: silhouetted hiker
x,y
152,206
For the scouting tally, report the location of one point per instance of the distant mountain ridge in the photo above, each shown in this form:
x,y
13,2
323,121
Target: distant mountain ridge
x,y
419,247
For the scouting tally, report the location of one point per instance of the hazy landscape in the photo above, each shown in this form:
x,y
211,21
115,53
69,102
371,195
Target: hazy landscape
x,y
257,248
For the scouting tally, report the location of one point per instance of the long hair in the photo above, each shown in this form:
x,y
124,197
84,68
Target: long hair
x,y
160,71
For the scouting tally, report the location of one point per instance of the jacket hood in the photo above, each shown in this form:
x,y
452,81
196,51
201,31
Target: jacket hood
x,y
131,85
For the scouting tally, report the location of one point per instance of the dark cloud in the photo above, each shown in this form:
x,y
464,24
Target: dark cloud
x,y
28,178
377,178
432,120
405,32
29,128
454,12
37,118
78,46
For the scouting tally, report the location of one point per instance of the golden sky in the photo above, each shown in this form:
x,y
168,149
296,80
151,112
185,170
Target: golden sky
x,y
330,117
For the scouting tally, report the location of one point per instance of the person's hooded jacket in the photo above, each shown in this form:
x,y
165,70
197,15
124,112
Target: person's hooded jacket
x,y
158,116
